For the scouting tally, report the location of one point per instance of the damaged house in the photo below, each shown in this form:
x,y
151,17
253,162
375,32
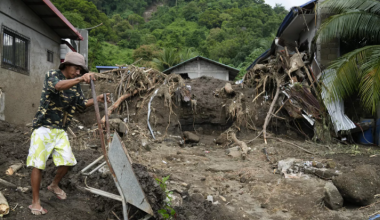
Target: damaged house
x,y
300,61
31,33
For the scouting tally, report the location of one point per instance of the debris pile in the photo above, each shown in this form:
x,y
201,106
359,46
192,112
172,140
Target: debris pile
x,y
296,168
287,80
148,103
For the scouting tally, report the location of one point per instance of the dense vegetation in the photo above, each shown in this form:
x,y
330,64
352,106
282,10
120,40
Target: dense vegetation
x,y
233,32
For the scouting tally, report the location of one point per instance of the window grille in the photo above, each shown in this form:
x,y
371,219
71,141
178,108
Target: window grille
x,y
15,55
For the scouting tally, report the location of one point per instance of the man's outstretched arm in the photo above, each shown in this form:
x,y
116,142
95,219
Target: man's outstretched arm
x,y
68,83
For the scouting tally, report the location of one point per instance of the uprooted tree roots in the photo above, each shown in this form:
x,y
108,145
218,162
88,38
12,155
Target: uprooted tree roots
x,y
295,89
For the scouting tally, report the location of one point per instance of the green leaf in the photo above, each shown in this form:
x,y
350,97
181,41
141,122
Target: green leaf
x,y
165,179
162,211
350,25
339,6
358,71
172,211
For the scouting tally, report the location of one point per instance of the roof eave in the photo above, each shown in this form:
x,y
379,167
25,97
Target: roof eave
x,y
63,18
204,58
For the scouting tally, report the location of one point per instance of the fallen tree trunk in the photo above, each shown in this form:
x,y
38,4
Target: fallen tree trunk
x,y
121,99
269,114
242,145
118,102
294,145
4,207
7,184
13,169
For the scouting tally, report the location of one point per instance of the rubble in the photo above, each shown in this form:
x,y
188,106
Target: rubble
x,y
190,137
332,198
118,125
295,168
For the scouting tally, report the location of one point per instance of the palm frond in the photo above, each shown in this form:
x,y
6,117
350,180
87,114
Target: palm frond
x,y
352,24
186,54
339,6
158,64
358,70
369,87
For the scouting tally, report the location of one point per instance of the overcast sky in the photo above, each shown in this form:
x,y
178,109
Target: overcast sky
x,y
286,3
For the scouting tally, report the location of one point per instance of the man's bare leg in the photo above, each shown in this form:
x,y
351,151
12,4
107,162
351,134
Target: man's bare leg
x,y
36,182
61,172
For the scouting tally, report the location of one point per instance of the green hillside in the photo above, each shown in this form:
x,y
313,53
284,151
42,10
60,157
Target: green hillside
x,y
233,32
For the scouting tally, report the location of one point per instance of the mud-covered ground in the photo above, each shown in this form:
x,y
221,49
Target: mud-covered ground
x,y
14,145
238,187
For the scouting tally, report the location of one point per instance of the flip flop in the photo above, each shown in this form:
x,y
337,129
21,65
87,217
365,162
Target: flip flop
x,y
40,211
62,195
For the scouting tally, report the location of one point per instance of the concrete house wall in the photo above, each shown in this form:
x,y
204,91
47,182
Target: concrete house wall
x,y
22,92
198,68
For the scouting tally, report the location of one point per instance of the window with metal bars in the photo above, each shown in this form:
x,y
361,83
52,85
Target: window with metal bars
x,y
15,51
50,56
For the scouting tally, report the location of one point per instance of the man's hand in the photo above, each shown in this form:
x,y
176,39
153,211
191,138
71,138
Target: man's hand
x,y
87,77
100,98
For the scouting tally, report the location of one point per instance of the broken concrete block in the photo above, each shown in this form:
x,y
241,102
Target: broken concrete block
x,y
145,144
191,137
325,173
359,186
176,200
222,139
233,152
332,198
197,197
271,151
118,125
330,164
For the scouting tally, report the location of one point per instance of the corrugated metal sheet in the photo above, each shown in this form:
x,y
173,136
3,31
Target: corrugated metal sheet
x,y
335,108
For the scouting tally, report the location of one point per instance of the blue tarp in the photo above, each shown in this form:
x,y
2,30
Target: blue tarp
x,y
106,67
287,20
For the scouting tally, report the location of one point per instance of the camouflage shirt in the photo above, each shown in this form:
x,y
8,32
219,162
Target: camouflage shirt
x,y
57,107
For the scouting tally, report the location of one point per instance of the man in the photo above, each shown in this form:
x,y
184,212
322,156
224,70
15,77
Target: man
x,y
61,96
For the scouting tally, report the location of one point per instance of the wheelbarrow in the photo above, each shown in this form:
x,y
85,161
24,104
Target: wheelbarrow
x,y
120,165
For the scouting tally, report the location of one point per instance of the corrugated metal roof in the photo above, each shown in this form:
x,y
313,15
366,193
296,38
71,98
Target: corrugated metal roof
x,y
234,70
53,18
